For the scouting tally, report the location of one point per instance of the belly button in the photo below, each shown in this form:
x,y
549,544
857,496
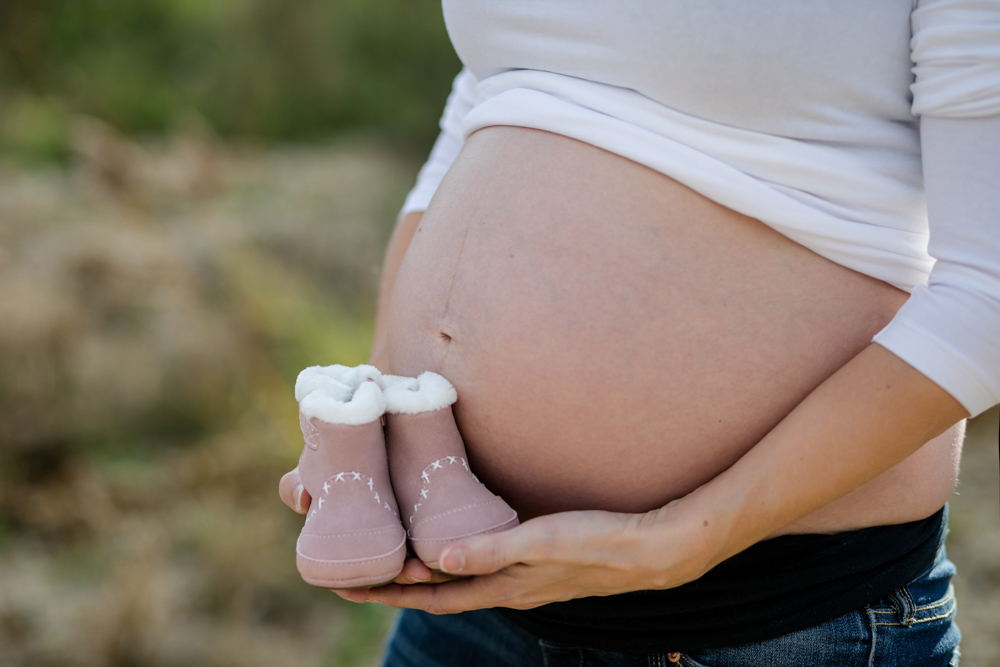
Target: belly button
x,y
444,335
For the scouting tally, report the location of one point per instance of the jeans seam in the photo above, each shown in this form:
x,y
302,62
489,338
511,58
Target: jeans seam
x,y
901,603
940,603
874,634
948,600
944,614
911,607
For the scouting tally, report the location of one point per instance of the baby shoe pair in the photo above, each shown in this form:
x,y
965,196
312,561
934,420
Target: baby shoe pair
x,y
373,489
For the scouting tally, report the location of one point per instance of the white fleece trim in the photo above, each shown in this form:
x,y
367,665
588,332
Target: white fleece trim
x,y
355,376
333,377
366,404
318,378
429,391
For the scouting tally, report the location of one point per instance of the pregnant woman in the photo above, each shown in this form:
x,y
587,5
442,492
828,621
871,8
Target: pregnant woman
x,y
673,255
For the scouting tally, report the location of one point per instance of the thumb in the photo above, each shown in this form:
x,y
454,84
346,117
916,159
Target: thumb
x,y
486,554
292,493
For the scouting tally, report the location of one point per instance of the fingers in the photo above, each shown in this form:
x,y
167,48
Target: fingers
x,y
292,493
499,590
352,594
547,559
408,595
434,599
414,572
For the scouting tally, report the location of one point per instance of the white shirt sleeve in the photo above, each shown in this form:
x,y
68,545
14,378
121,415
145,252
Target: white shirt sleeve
x,y
448,145
950,329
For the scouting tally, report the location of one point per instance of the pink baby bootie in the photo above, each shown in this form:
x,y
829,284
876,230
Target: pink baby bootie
x,y
352,537
441,500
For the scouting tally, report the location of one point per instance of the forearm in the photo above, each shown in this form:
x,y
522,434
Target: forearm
x,y
870,415
406,227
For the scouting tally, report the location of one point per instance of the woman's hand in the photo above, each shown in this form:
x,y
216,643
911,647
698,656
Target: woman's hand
x,y
558,557
547,559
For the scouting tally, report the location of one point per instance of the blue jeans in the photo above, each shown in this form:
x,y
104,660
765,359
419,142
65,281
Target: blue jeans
x,y
913,627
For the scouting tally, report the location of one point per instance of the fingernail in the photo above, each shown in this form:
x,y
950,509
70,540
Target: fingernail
x,y
453,562
297,497
420,580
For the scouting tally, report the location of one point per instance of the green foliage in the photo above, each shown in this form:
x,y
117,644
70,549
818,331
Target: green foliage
x,y
253,69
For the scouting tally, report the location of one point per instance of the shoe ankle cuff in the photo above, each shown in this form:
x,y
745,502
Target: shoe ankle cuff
x,y
408,395
340,394
336,380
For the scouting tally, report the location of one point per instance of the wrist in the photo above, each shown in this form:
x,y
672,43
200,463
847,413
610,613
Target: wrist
x,y
692,535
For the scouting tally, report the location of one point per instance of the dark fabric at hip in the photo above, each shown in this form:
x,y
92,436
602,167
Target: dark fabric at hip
x,y
778,586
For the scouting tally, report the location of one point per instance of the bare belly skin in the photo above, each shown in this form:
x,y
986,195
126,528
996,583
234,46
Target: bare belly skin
x,y
617,339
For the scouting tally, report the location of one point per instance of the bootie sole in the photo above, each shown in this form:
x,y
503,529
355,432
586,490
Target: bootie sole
x,y
389,566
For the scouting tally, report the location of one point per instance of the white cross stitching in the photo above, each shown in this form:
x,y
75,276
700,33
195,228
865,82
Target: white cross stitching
x,y
352,476
320,503
438,465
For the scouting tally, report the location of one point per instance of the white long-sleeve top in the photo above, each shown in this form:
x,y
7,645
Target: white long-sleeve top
x,y
867,131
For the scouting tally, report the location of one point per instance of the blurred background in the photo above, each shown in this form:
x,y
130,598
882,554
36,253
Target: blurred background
x,y
194,201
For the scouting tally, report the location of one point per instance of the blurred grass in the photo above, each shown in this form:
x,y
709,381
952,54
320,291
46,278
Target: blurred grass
x,y
251,69
156,303
158,297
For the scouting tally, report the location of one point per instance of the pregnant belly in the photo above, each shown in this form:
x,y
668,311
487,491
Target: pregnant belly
x,y
617,339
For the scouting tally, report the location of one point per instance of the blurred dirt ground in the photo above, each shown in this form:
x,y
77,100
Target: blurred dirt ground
x,y
156,303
